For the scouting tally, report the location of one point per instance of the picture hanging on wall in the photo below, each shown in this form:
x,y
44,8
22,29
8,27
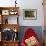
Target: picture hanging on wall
x,y
30,14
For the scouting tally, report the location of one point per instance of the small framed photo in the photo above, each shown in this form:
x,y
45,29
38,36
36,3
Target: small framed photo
x,y
12,12
5,12
30,14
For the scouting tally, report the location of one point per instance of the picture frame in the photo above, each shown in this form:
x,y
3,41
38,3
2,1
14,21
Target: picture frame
x,y
6,34
13,12
5,12
30,14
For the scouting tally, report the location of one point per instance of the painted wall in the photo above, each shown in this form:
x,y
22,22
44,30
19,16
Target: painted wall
x,y
36,29
32,4
27,4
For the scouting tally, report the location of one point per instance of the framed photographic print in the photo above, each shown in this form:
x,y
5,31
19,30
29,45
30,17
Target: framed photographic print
x,y
30,14
5,12
13,12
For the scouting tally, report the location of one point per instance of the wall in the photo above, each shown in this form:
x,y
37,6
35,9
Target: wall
x,y
32,4
37,29
27,4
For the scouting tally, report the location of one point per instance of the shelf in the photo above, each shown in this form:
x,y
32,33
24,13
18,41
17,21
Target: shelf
x,y
9,15
9,23
11,41
9,10
10,26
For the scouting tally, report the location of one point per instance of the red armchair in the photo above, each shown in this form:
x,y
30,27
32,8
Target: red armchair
x,y
30,34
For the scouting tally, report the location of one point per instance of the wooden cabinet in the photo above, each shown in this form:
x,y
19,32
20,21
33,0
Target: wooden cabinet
x,y
9,26
10,43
